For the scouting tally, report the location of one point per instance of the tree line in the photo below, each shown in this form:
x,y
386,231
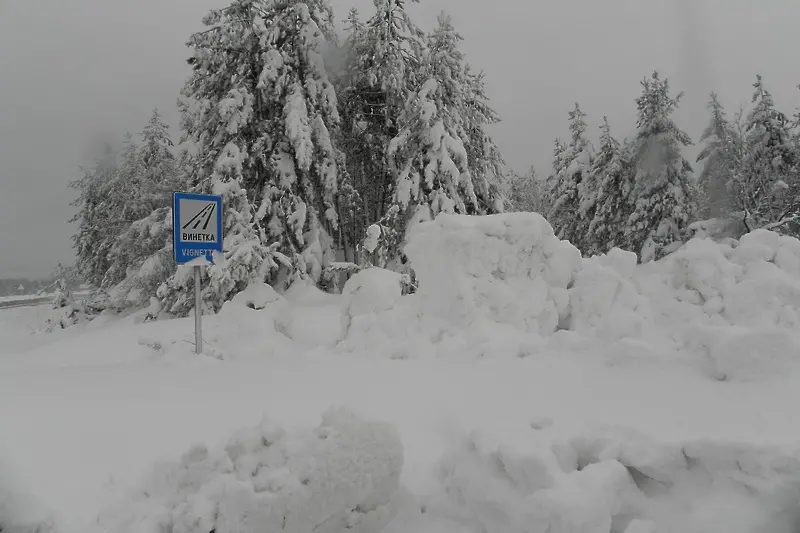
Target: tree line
x,y
641,194
316,142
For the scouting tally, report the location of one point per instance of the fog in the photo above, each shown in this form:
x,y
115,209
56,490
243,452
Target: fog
x,y
79,72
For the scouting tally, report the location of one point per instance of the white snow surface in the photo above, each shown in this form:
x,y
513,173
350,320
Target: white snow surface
x,y
522,389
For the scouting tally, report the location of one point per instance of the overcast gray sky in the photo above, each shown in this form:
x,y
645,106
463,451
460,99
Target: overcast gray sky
x,y
76,71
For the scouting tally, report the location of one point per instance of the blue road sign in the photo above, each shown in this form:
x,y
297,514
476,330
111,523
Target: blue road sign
x,y
197,226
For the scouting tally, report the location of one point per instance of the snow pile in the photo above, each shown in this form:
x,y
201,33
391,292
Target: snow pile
x,y
736,304
480,279
367,293
604,300
507,269
617,482
754,283
342,475
504,284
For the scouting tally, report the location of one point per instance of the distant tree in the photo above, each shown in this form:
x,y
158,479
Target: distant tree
x,y
136,200
610,204
768,186
662,184
721,157
574,163
527,192
95,216
558,166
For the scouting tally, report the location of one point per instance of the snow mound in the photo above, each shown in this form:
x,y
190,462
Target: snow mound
x,y
753,283
618,482
604,301
503,284
343,475
506,269
258,296
487,285
367,293
258,314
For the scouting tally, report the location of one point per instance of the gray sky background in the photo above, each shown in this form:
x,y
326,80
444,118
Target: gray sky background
x,y
73,72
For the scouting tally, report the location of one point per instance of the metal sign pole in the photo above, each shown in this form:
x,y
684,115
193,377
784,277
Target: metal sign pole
x,y
198,329
197,232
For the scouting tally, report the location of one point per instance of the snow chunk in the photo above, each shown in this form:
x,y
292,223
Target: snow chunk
x,y
258,296
342,475
371,240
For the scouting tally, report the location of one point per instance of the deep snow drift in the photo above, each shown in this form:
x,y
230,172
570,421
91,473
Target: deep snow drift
x,y
343,475
530,390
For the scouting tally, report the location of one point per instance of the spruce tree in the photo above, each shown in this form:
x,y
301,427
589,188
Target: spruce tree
x,y
662,189
574,163
95,218
768,186
429,157
141,257
261,116
721,158
467,97
611,207
558,165
384,56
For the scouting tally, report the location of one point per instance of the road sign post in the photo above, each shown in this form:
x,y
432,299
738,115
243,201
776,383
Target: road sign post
x,y
198,323
197,232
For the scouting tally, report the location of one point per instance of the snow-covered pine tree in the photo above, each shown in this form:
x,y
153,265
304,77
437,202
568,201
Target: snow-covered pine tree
x,y
298,206
382,71
558,165
722,158
662,188
467,91
141,256
93,217
259,112
429,156
565,213
611,208
768,186
160,169
121,204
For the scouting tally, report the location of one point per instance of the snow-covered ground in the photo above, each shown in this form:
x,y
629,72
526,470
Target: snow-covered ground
x,y
521,389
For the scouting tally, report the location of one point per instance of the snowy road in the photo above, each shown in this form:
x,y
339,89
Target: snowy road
x,y
112,421
10,304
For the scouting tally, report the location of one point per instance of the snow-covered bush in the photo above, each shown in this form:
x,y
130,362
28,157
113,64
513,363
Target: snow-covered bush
x,y
342,475
67,311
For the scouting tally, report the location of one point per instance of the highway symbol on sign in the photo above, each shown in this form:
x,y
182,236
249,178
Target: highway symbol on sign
x,y
197,226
